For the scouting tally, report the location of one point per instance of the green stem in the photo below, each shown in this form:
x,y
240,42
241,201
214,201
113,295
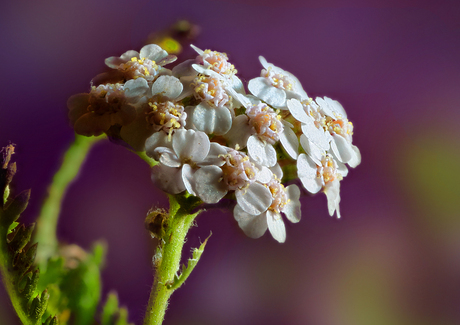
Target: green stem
x,y
152,162
167,261
49,214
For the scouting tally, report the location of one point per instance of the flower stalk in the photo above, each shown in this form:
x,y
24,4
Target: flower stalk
x,y
175,226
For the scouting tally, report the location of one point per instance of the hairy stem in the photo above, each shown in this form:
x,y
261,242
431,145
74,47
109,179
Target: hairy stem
x,y
49,214
167,263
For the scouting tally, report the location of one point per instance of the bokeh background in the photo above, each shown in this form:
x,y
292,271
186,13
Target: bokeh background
x,y
393,258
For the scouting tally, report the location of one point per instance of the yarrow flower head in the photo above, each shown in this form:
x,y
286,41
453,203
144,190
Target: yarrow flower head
x,y
212,140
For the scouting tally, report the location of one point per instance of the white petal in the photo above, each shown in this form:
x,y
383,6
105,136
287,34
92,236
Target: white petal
x,y
297,110
208,184
306,170
273,96
237,84
264,175
190,144
197,50
184,69
277,171
129,54
292,208
342,168
264,62
312,149
355,157
239,132
135,88
290,141
316,135
188,177
214,156
254,199
212,120
152,52
261,152
332,192
342,148
168,179
158,139
168,86
276,226
167,157
253,226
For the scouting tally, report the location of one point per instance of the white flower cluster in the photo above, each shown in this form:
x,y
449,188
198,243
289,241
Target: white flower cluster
x,y
212,139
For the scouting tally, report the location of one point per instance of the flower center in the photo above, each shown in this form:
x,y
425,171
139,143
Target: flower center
x,y
328,170
278,194
339,126
209,89
165,116
277,80
238,171
265,122
106,99
218,62
136,68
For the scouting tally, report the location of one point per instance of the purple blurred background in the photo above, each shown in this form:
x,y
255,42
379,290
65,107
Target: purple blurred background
x,y
393,258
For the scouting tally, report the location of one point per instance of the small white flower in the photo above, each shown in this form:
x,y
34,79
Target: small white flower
x,y
104,106
275,85
259,130
336,123
190,163
213,115
160,112
144,64
304,112
283,200
326,175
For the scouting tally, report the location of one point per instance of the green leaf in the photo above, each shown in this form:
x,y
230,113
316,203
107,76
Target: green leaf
x,y
16,253
186,270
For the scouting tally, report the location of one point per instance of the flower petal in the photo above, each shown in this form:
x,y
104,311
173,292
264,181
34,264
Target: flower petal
x,y
342,148
306,170
158,139
297,111
190,144
290,141
316,135
168,179
188,177
253,226
276,226
167,86
239,132
261,152
332,192
355,157
152,52
312,150
135,88
292,208
254,199
215,155
167,157
271,95
208,184
212,120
